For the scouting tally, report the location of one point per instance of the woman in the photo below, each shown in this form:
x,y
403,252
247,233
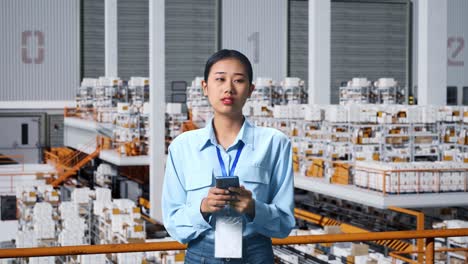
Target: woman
x,y
260,157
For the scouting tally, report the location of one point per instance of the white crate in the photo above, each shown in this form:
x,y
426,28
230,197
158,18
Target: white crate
x,y
313,113
118,222
280,111
44,228
42,210
81,195
124,205
103,195
92,259
173,108
130,258
100,208
26,239
68,210
457,224
70,238
42,260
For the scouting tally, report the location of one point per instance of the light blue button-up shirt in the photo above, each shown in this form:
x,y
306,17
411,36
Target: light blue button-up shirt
x,y
264,167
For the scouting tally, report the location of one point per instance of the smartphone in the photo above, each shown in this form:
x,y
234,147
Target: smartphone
x,y
226,182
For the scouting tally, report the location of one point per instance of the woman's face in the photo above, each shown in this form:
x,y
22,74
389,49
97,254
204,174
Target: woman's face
x,y
227,87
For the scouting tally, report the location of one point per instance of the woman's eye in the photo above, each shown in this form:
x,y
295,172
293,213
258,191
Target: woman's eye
x,y
219,79
239,81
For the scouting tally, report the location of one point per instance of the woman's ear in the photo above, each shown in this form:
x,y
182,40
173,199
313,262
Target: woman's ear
x,y
205,87
252,88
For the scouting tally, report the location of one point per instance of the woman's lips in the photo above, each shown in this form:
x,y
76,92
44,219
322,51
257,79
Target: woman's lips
x,y
227,101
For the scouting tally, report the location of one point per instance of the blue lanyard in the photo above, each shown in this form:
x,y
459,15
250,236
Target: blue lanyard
x,y
234,164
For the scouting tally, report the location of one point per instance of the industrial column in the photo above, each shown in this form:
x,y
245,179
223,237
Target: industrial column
x,y
432,52
157,103
110,38
319,51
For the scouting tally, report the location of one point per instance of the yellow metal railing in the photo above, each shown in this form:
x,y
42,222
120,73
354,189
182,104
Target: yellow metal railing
x,y
347,228
428,235
419,226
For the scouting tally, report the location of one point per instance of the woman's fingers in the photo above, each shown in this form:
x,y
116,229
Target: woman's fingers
x,y
220,197
241,192
218,191
238,198
219,203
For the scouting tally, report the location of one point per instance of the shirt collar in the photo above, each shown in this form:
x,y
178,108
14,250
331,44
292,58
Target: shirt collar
x,y
245,135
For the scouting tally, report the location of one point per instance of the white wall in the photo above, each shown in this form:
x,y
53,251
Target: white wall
x,y
11,138
39,50
259,30
8,229
457,44
457,52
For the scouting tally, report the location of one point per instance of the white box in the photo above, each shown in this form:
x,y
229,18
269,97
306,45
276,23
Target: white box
x,y
173,108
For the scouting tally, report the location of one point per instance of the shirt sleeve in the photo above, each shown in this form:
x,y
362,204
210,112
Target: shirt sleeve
x,y
183,219
276,219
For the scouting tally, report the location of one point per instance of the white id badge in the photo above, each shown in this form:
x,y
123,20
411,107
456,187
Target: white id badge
x,y
228,237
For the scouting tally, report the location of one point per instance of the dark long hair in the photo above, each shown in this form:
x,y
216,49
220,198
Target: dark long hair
x,y
229,54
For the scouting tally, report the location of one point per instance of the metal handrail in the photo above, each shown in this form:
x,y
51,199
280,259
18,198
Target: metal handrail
x,y
292,240
72,159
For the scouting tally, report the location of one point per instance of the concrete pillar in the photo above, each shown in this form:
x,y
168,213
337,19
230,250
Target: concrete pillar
x,y
157,103
110,38
319,51
432,52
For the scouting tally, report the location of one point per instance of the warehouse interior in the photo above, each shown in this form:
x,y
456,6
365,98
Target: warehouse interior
x,y
373,95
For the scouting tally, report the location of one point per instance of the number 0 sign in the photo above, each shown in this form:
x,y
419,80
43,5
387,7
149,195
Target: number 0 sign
x,y
26,37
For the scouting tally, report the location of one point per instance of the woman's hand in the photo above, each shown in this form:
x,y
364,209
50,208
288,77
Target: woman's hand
x,y
243,201
216,200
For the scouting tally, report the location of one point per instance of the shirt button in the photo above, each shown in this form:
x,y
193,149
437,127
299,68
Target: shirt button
x,y
189,204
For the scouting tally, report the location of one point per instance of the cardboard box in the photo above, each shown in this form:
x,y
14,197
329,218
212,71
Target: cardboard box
x,y
316,169
295,163
359,249
341,173
332,230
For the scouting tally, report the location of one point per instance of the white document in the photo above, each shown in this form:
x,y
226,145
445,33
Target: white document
x,y
228,237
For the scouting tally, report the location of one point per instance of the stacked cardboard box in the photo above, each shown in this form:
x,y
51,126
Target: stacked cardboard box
x,y
341,173
402,178
316,169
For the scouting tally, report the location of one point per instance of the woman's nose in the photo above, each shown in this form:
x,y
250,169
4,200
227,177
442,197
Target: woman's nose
x,y
229,88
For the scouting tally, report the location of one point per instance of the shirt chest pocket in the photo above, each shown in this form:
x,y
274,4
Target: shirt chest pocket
x,y
256,179
198,182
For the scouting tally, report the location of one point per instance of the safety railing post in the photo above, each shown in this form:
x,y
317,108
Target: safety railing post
x,y
429,250
420,242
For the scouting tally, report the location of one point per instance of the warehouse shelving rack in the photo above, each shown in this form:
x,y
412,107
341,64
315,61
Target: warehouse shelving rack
x,y
364,138
396,144
357,95
312,149
425,136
